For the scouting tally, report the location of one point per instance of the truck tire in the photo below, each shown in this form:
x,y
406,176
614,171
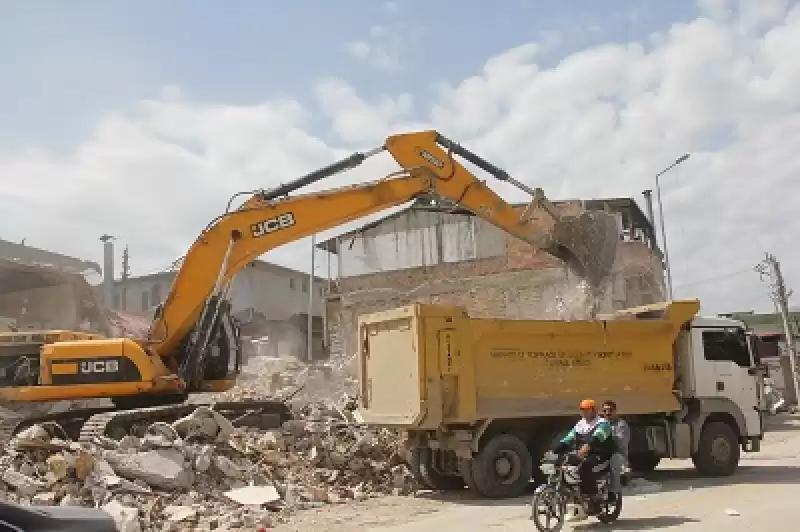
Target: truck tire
x,y
427,476
502,469
643,463
414,460
717,451
465,468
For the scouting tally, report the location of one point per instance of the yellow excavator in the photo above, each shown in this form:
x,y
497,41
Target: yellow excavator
x,y
193,345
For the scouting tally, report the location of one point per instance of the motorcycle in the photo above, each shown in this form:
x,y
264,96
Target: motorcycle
x,y
559,499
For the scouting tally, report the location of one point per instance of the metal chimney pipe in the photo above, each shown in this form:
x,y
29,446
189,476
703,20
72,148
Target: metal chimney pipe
x,y
108,270
648,201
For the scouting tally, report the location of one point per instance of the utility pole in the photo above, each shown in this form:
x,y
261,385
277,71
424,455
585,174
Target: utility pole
x,y
108,270
770,267
310,341
125,274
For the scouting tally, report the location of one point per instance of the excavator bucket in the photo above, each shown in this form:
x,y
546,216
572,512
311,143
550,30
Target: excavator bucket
x,y
587,242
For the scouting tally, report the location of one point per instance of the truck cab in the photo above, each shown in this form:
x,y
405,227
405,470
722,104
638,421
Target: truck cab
x,y
720,383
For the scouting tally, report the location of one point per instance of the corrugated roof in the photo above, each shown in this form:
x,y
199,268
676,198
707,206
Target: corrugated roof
x,y
428,203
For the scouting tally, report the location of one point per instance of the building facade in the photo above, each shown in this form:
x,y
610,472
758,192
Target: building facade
x,y
267,299
434,253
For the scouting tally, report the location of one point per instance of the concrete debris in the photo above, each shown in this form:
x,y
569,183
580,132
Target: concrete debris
x,y
254,495
160,468
201,473
125,517
127,325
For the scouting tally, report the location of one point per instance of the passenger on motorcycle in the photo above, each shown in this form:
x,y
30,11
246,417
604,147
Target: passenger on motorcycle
x,y
592,437
622,437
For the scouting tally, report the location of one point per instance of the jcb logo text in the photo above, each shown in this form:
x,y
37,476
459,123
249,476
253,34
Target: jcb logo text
x,y
100,366
270,225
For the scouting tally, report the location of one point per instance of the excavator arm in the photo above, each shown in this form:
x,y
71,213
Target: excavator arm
x,y
271,218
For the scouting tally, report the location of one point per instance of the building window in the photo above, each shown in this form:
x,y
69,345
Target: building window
x,y
155,294
292,284
305,285
145,300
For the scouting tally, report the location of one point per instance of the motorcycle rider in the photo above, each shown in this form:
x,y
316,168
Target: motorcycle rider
x,y
592,436
622,437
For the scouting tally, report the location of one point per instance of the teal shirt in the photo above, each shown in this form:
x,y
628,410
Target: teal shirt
x,y
582,432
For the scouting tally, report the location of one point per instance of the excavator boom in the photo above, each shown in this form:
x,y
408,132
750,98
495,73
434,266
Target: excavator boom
x,y
271,218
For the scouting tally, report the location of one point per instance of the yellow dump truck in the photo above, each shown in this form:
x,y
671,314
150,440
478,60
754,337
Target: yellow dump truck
x,y
481,400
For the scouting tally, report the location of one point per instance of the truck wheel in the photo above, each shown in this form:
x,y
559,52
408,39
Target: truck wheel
x,y
426,475
717,451
414,461
465,468
643,462
502,469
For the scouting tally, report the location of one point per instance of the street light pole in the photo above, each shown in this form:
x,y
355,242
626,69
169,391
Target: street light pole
x,y
678,161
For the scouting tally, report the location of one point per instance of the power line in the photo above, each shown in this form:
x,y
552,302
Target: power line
x,y
717,277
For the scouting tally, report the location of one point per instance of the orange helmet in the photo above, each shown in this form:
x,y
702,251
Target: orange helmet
x,y
587,404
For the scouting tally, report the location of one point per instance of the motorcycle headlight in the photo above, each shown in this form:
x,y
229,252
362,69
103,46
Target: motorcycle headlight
x,y
548,469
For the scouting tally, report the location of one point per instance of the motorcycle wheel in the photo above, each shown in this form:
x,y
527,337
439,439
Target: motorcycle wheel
x,y
610,510
548,510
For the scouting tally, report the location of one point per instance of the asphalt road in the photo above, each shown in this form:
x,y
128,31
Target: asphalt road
x,y
764,494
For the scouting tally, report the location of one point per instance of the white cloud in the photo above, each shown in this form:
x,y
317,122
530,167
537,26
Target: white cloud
x,y
601,122
386,47
392,8
380,57
355,120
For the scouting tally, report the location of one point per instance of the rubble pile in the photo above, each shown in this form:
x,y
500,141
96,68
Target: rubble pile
x,y
332,382
201,473
127,325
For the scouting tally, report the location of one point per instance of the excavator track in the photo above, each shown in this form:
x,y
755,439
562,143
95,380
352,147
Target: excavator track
x,y
84,425
71,421
116,424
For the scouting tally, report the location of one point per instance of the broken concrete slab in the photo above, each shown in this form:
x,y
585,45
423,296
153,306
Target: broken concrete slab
x,y
163,468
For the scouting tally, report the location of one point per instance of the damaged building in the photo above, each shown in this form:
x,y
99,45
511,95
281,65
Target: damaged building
x,y
268,300
438,253
41,289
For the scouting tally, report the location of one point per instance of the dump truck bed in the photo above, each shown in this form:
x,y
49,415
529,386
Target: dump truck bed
x,y
422,365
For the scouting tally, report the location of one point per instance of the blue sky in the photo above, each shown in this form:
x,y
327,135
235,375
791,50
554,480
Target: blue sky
x,y
67,63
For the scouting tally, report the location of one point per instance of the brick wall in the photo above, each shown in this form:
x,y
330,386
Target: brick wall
x,y
523,284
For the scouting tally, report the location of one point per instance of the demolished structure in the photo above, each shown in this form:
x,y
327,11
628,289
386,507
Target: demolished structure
x,y
47,291
433,252
44,290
